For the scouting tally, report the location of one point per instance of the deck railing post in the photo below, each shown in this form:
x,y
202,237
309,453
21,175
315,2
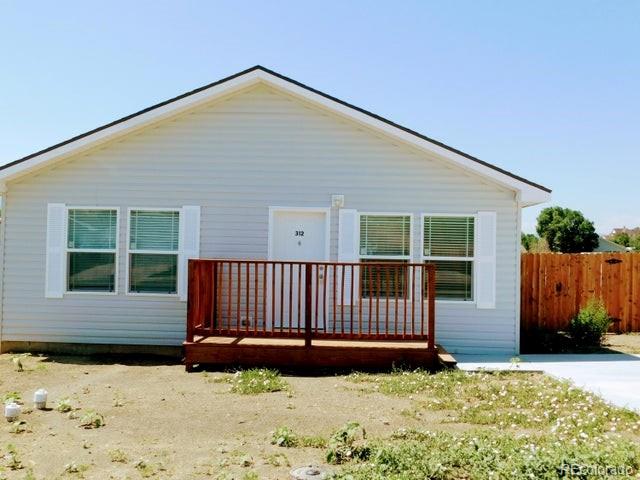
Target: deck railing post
x,y
431,310
308,285
214,296
191,302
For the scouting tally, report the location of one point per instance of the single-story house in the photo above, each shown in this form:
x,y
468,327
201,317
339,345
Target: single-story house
x,y
98,230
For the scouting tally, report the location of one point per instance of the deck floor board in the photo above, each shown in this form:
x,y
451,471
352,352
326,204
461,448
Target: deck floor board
x,y
299,342
291,352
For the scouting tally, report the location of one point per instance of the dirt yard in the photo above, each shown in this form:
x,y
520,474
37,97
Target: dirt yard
x,y
157,421
627,343
179,425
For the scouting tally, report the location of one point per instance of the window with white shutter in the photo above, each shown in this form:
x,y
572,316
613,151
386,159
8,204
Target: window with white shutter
x,y
153,251
449,243
485,256
91,249
348,248
384,238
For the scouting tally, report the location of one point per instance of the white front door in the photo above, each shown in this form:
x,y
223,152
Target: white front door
x,y
297,235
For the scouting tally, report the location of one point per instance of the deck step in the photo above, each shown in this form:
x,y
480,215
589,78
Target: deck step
x,y
445,358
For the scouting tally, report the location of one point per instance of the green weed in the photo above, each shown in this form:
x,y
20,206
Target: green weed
x,y
255,381
118,456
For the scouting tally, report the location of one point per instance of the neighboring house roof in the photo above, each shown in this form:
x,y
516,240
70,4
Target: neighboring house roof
x,y
629,231
530,193
605,245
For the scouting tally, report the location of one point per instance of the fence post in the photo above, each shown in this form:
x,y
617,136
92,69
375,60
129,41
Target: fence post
x,y
308,284
431,299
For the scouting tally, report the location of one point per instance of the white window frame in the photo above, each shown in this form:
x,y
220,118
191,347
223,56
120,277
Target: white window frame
x,y
408,258
177,253
68,250
426,258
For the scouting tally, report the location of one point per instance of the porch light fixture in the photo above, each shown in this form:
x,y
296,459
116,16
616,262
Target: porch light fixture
x,y
337,201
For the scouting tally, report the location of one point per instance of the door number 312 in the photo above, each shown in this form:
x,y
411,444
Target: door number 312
x,y
299,233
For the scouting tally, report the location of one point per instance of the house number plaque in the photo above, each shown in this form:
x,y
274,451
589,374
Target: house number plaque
x,y
299,233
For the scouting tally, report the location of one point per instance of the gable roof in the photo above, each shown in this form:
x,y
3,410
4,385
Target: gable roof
x,y
530,193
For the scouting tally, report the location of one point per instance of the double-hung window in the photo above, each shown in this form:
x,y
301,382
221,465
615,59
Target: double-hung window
x,y
154,237
384,238
92,237
449,243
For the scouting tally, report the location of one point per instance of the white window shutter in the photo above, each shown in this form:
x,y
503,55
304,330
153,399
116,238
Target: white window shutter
x,y
348,247
189,246
485,256
54,275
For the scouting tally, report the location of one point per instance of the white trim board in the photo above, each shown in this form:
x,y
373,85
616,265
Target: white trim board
x,y
530,193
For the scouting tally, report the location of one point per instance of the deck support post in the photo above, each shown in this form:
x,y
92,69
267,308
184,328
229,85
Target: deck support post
x,y
307,305
191,299
431,310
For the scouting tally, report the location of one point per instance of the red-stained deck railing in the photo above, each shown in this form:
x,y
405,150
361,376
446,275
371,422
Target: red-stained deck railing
x,y
312,300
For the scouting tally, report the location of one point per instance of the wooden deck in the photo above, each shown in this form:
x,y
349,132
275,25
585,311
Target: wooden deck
x,y
310,314
292,353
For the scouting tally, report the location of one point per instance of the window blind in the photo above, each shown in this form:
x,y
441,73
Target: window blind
x,y
385,235
454,279
91,272
153,273
154,230
92,229
448,236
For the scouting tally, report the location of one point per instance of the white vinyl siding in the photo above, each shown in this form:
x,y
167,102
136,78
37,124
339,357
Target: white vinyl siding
x,y
154,237
234,158
91,250
448,241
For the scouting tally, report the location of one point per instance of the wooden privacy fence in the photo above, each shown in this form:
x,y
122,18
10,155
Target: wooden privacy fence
x,y
554,286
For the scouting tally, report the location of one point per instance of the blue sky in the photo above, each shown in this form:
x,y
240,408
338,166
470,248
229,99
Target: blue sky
x,y
549,90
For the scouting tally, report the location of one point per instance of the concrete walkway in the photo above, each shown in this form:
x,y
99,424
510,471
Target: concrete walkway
x,y
615,377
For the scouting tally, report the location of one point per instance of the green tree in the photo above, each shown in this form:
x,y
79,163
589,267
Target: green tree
x,y
621,238
533,244
635,243
528,240
566,230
